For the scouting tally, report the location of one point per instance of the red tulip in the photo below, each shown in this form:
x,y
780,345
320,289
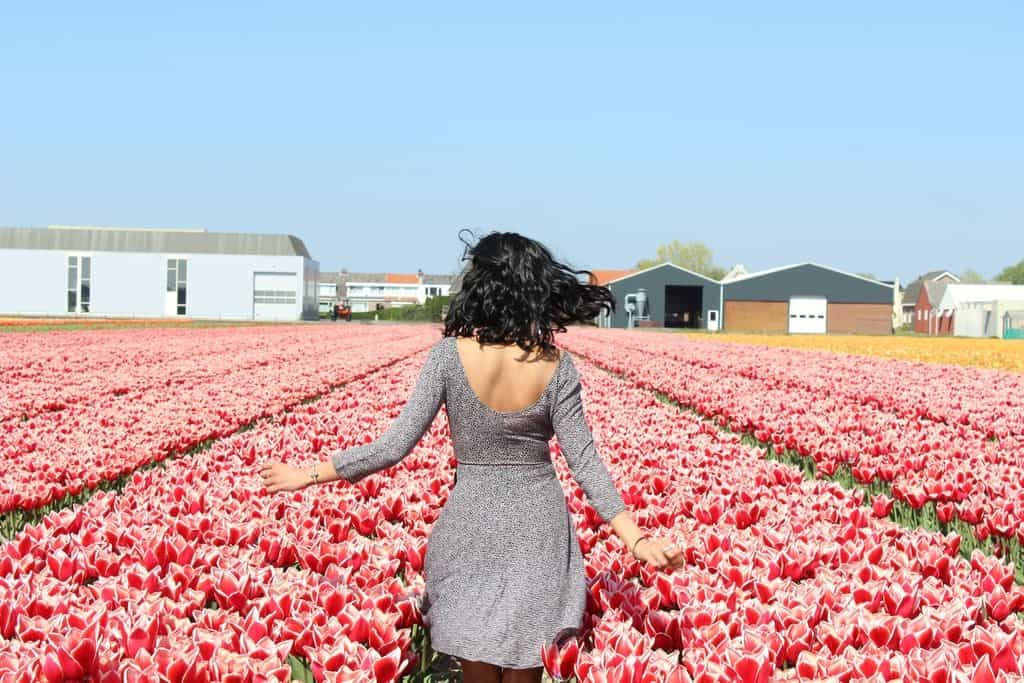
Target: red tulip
x,y
881,505
560,662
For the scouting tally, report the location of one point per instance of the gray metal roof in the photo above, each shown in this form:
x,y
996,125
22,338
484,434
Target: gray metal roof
x,y
935,291
162,241
809,279
663,264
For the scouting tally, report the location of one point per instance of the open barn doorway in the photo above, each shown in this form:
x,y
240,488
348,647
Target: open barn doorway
x,y
683,306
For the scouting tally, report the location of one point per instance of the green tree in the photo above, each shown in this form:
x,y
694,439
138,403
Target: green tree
x,y
1012,274
716,272
972,277
695,256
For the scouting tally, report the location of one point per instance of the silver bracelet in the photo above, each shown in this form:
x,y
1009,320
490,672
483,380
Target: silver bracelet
x,y
642,537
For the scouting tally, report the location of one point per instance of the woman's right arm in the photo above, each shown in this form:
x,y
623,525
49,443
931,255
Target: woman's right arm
x,y
652,549
577,444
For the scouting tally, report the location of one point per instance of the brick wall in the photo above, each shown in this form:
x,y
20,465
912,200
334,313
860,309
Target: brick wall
x,y
860,318
756,316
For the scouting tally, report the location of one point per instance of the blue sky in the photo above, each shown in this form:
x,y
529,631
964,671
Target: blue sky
x,y
876,136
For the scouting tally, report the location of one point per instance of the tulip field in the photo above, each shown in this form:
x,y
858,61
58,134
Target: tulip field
x,y
79,410
946,441
188,570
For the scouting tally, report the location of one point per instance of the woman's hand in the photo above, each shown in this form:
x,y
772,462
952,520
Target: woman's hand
x,y
658,552
278,476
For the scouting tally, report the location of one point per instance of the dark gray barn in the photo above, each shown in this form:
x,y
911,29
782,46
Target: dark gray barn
x,y
676,297
808,298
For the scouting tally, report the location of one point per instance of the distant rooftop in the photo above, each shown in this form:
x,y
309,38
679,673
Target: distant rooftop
x,y
604,275
913,288
161,240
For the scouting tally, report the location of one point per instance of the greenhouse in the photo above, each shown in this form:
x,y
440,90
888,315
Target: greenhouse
x,y
1013,324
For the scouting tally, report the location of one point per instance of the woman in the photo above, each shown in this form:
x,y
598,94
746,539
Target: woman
x,y
503,568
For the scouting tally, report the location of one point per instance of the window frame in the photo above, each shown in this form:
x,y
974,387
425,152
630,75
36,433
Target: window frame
x,y
79,292
175,267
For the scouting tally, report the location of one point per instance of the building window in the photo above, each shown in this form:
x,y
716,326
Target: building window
x,y
177,280
79,283
72,284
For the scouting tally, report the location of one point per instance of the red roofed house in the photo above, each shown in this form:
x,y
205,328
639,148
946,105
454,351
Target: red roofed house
x,y
927,318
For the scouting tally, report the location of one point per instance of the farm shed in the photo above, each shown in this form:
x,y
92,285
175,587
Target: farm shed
x,y
1013,324
669,296
808,298
154,273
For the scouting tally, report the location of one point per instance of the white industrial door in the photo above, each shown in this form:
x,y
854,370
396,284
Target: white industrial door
x,y
807,315
274,296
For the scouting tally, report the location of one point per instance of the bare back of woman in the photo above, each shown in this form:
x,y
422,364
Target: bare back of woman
x,y
504,377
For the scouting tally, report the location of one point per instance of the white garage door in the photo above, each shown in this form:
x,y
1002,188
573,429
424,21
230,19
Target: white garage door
x,y
274,296
807,315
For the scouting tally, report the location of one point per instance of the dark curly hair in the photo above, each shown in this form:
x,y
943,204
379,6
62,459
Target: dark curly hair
x,y
514,291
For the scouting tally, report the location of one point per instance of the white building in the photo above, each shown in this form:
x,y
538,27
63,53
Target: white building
x,y
976,310
327,296
154,273
375,291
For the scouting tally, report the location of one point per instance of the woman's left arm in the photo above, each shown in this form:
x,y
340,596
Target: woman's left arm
x,y
357,462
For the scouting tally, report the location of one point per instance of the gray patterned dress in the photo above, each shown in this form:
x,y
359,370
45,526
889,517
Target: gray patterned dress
x,y
503,567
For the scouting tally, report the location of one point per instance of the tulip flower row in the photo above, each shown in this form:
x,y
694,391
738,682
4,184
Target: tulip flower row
x,y
194,572
262,371
55,371
989,401
967,475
